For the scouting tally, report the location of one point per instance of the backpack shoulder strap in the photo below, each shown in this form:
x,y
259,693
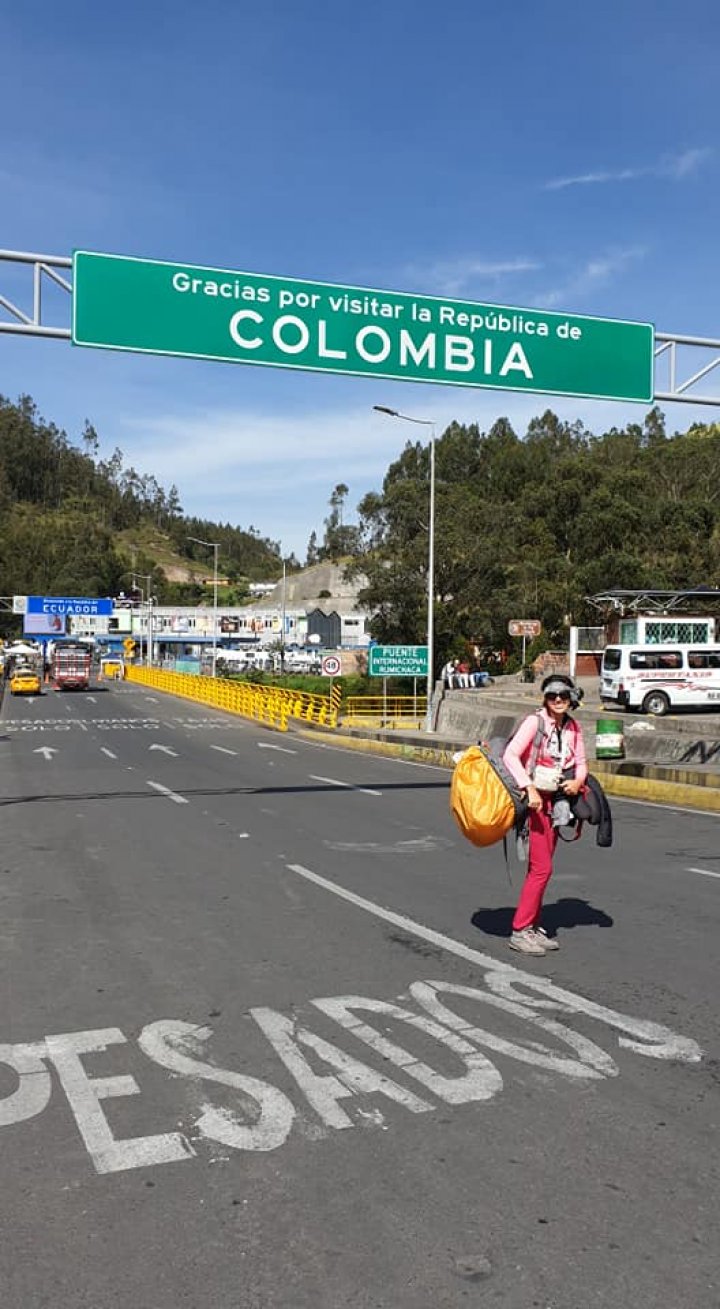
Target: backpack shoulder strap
x,y
537,742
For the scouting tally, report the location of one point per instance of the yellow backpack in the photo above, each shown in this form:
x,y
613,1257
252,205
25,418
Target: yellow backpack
x,y
480,800
485,800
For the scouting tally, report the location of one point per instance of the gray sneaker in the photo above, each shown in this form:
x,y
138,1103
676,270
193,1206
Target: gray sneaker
x,y
549,942
527,942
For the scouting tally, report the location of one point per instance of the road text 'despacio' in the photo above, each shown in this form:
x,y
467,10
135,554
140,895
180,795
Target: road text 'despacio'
x,y
440,1043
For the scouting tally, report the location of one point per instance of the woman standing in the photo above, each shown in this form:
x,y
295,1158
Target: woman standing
x,y
549,770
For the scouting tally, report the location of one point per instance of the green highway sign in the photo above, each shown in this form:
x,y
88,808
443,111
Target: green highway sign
x,y
398,661
156,307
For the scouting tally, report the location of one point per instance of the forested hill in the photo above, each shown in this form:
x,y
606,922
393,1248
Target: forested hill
x,y
74,524
528,525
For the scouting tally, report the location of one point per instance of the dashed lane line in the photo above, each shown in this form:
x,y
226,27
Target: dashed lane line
x,y
333,781
109,753
704,872
170,795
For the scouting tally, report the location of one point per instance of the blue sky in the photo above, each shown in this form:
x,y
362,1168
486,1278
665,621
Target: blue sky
x,y
549,152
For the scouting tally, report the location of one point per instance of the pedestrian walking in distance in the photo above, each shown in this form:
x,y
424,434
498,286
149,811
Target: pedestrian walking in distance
x,y
549,770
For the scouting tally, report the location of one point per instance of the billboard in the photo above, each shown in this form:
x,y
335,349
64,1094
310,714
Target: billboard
x,y
44,625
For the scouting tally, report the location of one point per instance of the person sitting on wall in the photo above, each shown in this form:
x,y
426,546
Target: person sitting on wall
x,y
448,672
462,674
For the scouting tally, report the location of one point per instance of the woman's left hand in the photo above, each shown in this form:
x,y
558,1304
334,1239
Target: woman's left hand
x,y
572,786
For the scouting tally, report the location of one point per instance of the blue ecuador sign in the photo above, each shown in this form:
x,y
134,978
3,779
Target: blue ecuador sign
x,y
47,615
64,605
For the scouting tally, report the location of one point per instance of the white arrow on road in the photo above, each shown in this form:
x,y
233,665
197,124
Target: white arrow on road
x,y
264,745
165,749
47,750
223,749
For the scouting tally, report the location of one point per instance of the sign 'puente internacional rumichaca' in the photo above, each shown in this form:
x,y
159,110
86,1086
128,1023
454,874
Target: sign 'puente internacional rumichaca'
x,y
123,303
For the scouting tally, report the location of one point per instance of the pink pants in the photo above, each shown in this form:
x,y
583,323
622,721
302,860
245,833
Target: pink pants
x,y
543,842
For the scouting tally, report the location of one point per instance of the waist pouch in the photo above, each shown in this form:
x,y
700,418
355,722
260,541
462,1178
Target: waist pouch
x,y
546,778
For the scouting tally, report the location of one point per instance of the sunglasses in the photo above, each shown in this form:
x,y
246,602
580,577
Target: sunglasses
x,y
558,695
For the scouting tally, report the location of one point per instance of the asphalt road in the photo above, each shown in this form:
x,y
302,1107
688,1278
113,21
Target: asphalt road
x,y
264,1045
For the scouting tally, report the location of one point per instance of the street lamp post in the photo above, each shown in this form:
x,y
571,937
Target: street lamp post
x,y
214,546
146,599
425,422
282,632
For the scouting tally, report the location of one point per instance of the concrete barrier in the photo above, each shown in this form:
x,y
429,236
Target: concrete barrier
x,y
468,716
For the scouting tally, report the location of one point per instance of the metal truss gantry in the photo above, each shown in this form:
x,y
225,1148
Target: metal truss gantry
x,y
41,267
703,599
674,353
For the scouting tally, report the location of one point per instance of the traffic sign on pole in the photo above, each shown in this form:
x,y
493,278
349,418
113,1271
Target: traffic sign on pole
x,y
330,665
157,307
524,627
398,661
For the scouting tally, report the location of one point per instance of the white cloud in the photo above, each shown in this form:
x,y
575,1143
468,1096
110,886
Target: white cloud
x,y
594,273
675,167
453,276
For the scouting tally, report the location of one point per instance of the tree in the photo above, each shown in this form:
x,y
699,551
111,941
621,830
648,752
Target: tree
x,y
312,556
340,539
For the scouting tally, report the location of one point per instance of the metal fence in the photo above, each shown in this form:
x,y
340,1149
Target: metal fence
x,y
274,706
384,711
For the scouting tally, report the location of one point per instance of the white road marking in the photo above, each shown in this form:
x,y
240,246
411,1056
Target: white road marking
x,y
165,749
323,1092
152,699
85,1093
46,750
265,745
109,753
649,1038
91,698
333,781
263,1115
223,749
668,808
173,1045
171,795
704,872
424,845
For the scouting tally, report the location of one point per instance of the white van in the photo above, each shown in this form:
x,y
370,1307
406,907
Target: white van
x,y
658,678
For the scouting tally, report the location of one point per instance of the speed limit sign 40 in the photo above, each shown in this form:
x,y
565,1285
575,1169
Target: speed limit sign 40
x,y
330,665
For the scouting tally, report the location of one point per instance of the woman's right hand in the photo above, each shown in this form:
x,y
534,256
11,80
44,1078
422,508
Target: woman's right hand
x,y
534,798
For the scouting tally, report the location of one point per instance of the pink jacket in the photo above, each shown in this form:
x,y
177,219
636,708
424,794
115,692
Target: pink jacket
x,y
518,750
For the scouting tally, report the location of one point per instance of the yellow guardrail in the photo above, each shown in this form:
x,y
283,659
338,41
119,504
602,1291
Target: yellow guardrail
x,y
384,711
265,704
